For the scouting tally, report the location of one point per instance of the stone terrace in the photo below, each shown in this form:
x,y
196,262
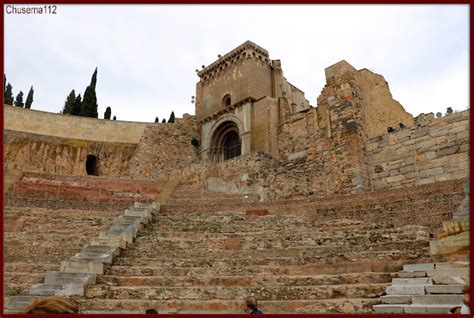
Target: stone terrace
x,y
311,256
49,218
38,239
79,192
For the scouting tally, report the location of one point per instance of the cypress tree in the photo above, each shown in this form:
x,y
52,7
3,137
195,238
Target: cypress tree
x,y
8,96
29,98
76,109
69,103
108,113
94,78
89,102
163,121
19,100
157,120
4,83
171,119
115,118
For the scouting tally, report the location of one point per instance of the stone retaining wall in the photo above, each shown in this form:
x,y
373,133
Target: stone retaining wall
x,y
421,155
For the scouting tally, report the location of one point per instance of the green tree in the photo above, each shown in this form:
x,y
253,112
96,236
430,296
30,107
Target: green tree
x,y
94,78
19,100
157,120
115,118
171,119
29,98
4,83
108,113
76,109
89,102
163,121
69,103
8,96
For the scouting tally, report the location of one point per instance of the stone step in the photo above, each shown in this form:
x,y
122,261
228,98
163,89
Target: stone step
x,y
65,290
237,292
115,251
60,278
445,289
246,281
406,290
82,267
92,257
413,309
431,266
437,299
311,269
451,272
17,303
342,305
396,299
412,281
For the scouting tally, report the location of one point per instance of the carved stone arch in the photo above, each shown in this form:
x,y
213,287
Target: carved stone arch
x,y
225,139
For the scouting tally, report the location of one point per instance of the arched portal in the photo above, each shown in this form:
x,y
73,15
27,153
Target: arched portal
x,y
225,143
91,165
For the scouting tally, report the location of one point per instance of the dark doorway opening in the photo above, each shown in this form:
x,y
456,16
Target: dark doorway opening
x,y
231,145
91,165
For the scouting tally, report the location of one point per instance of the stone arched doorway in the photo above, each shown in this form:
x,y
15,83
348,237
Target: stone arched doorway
x,y
91,165
225,143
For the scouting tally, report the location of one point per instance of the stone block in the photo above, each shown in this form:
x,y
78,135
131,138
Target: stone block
x,y
82,267
449,245
395,178
430,172
126,236
412,281
388,309
437,299
61,278
95,258
426,181
448,150
428,309
115,251
131,219
406,290
297,155
451,280
451,265
406,169
19,302
418,267
144,214
44,289
444,289
114,242
396,299
451,272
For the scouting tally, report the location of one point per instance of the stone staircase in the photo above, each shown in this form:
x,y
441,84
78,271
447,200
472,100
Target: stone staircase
x,y
432,288
82,269
209,260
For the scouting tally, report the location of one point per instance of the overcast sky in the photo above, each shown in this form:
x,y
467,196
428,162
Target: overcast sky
x,y
147,54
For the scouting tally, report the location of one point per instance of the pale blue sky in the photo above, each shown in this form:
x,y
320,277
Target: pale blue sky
x,y
146,54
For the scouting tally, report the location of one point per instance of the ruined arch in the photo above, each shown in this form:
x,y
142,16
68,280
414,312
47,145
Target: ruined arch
x,y
92,163
225,142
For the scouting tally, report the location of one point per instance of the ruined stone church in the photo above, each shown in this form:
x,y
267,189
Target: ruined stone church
x,y
346,205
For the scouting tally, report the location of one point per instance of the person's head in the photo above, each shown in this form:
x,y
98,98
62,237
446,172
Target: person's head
x,y
250,303
151,311
467,295
52,305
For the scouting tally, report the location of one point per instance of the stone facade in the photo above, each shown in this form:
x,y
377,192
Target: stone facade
x,y
246,108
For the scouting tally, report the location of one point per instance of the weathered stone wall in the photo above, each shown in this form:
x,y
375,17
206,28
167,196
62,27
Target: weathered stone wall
x,y
165,147
56,155
420,155
71,127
